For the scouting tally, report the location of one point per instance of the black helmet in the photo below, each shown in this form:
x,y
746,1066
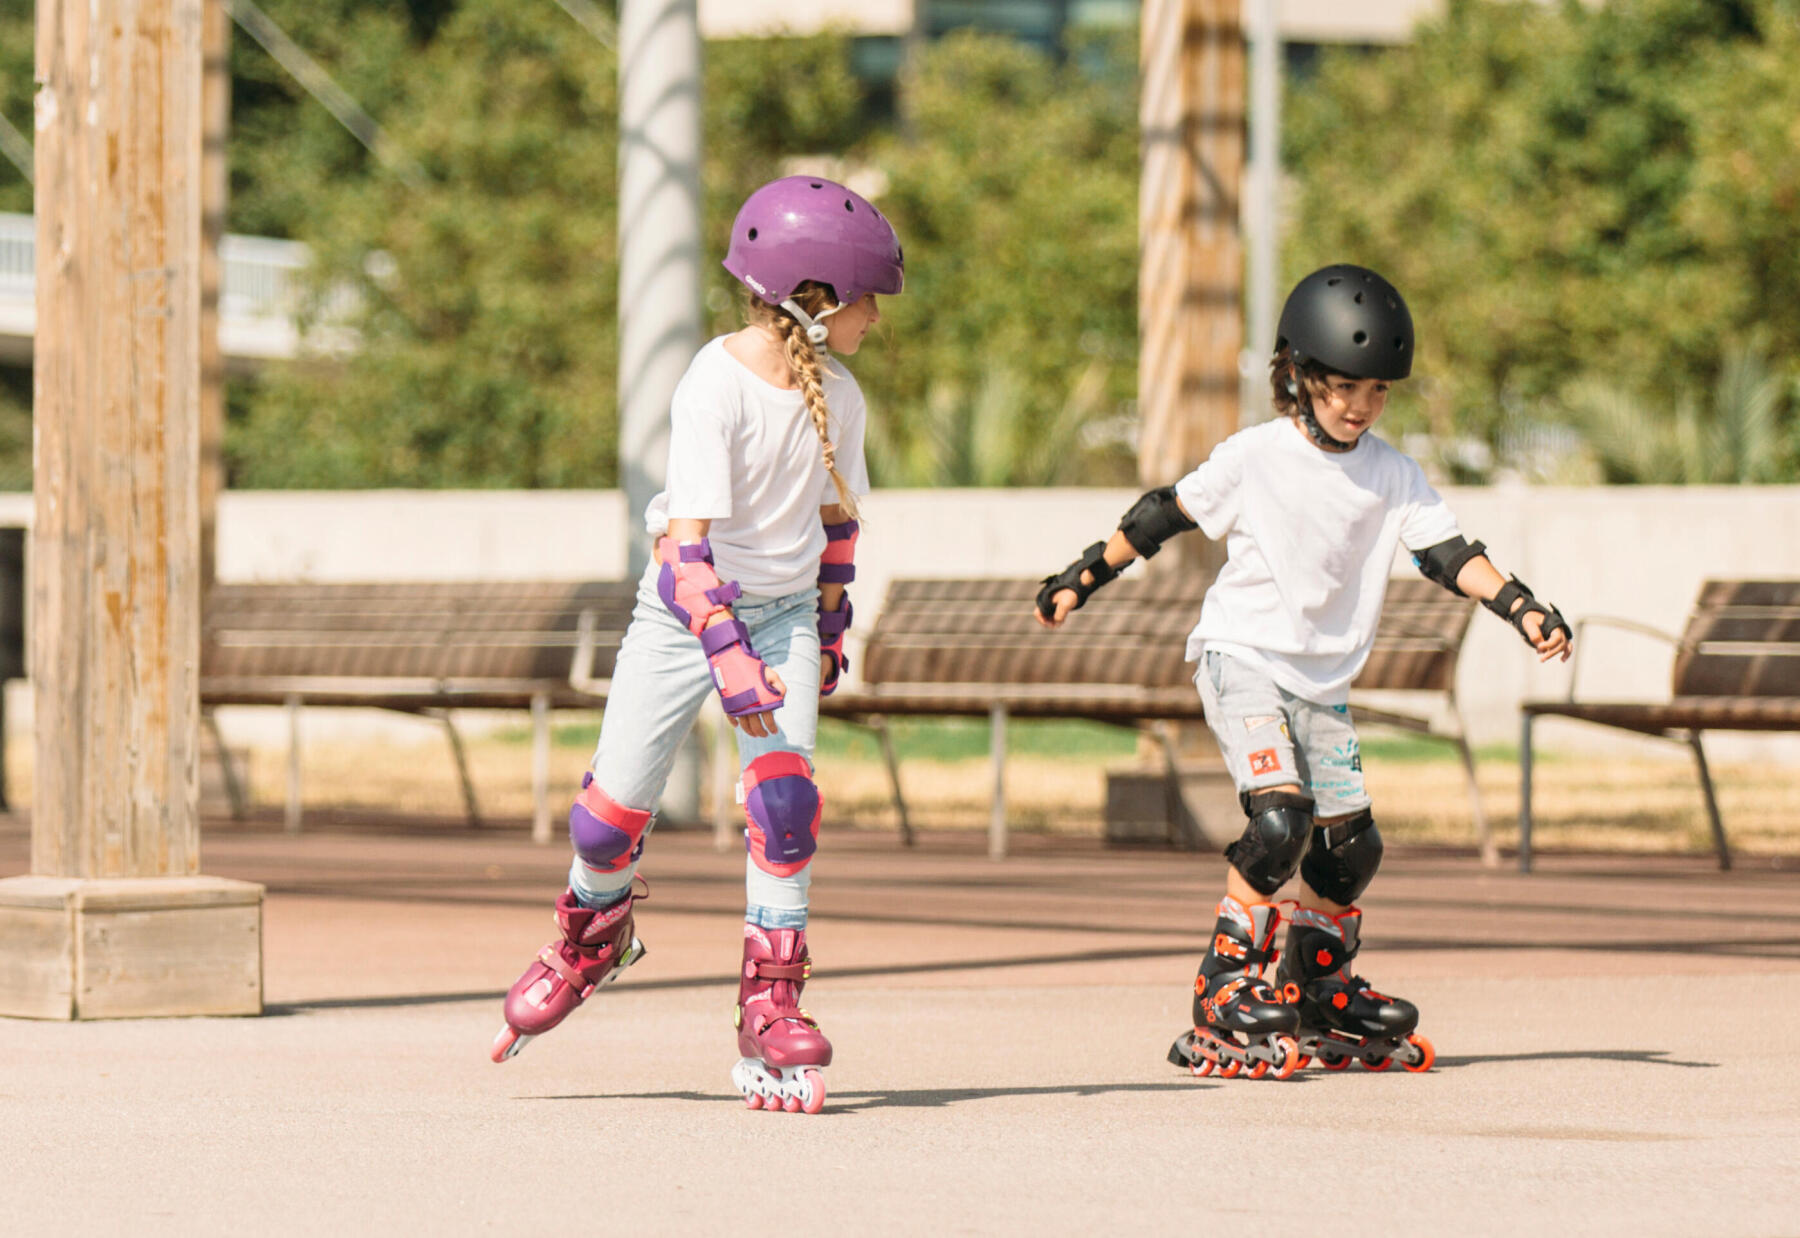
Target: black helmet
x,y
1349,320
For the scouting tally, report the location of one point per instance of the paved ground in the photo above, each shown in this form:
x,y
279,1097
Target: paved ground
x,y
1615,1036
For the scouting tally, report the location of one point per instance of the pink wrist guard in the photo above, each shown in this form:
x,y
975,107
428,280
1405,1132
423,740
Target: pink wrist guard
x,y
689,585
837,566
832,625
741,676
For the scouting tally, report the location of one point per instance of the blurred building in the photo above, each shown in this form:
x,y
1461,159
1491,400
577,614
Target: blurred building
x,y
1039,21
879,29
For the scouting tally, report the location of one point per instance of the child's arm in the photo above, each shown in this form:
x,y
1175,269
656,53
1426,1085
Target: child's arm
x,y
1152,520
1466,571
694,594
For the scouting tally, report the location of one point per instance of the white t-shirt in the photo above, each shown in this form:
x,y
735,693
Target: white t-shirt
x,y
1311,536
743,454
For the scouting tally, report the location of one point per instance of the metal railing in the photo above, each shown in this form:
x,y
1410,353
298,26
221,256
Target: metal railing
x,y
257,302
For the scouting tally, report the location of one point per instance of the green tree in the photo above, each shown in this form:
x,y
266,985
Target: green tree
x,y
485,295
1014,189
1566,193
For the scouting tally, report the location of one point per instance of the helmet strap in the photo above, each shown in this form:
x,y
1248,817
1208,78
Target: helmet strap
x,y
1303,400
816,330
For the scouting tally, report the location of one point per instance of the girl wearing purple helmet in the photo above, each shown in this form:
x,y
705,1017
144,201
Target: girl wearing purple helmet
x,y
755,541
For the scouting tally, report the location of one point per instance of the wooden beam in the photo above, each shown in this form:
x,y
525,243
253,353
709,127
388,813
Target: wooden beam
x,y
115,918
215,190
1191,256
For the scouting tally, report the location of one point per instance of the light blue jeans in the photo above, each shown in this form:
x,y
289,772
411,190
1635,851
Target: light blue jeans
x,y
660,682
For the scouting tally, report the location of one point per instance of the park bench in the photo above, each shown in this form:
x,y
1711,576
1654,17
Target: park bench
x,y
962,647
1737,668
423,648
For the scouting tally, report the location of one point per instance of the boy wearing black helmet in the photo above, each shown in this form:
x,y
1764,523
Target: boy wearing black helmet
x,y
1312,509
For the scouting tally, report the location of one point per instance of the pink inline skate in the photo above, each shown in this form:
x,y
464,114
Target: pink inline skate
x,y
782,1045
595,947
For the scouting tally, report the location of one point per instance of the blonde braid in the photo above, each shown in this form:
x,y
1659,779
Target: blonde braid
x,y
803,360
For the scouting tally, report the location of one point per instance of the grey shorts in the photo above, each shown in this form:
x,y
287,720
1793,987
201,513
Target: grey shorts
x,y
1272,738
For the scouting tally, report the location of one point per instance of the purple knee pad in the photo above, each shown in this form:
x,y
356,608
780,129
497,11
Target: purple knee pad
x,y
781,810
606,835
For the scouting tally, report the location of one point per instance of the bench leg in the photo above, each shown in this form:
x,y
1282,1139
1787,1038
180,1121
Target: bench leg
x,y
1484,833
234,789
1712,803
1186,829
462,764
540,767
1525,793
997,749
878,724
291,818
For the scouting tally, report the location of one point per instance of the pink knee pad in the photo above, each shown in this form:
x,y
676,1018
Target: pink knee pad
x,y
781,807
607,836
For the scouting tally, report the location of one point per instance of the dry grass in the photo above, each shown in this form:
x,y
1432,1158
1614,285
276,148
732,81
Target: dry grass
x,y
1613,804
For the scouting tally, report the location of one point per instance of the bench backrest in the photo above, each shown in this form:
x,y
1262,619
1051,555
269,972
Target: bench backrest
x,y
1132,634
1743,639
513,631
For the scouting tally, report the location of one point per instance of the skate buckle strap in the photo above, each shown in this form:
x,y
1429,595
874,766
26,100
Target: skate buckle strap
x,y
801,971
550,958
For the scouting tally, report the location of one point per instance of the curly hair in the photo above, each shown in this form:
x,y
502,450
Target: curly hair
x,y
1282,373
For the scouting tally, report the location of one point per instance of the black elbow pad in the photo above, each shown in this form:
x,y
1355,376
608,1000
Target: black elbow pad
x,y
1442,563
1153,520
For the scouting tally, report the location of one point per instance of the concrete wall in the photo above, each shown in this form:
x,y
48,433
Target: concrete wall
x,y
1639,552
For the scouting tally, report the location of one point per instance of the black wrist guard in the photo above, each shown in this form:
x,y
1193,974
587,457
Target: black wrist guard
x,y
1092,561
1153,520
1510,593
1442,563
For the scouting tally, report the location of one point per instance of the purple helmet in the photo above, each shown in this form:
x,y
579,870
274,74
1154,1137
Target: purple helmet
x,y
806,227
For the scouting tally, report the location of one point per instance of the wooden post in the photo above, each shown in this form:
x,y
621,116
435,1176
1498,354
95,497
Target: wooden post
x,y
115,919
1191,114
215,193
1191,255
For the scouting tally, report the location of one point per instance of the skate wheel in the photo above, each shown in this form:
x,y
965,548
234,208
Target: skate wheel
x,y
815,1091
1377,1064
1202,1068
1230,1069
1427,1054
1291,1059
1334,1063
1303,1061
507,1044
1259,1070
753,1101
791,1104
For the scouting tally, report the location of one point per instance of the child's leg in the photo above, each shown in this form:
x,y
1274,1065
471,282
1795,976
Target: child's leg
x,y
782,1045
1239,1021
1341,1017
782,806
660,682
1248,715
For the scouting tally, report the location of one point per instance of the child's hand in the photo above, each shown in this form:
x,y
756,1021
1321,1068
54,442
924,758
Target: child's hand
x,y
762,725
1558,644
1065,601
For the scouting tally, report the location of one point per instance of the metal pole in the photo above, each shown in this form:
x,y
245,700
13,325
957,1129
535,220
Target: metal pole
x,y
1264,226
659,239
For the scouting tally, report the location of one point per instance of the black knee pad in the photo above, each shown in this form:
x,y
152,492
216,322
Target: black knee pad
x,y
1343,858
1273,841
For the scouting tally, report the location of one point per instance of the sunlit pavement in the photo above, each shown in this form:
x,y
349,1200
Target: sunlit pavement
x,y
1615,1036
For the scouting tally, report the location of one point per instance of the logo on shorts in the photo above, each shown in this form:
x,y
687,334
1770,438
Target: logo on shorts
x,y
1265,762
